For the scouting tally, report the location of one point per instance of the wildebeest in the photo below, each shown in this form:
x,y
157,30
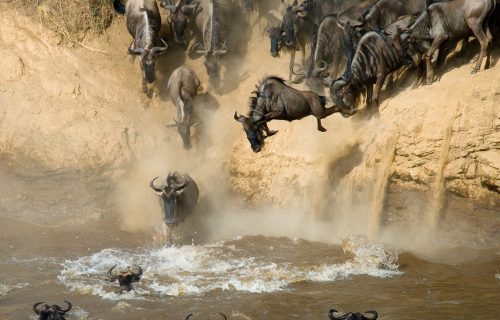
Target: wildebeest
x,y
178,199
274,100
143,24
368,315
376,56
183,87
180,11
385,12
457,19
221,314
53,312
294,33
125,277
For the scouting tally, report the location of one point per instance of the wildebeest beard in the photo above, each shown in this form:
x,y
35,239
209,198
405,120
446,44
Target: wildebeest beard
x,y
148,66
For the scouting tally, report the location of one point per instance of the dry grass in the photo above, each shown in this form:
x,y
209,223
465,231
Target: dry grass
x,y
73,19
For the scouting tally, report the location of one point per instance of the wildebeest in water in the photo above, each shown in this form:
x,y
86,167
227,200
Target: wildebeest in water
x,y
368,315
183,87
52,312
125,277
274,100
178,199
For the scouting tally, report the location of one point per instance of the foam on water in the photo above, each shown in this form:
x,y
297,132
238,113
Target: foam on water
x,y
195,270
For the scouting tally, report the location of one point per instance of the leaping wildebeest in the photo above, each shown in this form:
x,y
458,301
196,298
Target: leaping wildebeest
x,y
144,23
178,199
458,19
368,315
53,312
125,277
183,87
274,100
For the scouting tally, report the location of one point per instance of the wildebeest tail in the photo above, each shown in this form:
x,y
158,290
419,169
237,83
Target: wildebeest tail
x,y
118,6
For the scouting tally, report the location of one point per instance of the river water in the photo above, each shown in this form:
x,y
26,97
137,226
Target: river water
x,y
59,237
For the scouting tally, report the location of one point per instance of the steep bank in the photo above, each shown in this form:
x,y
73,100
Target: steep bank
x,y
432,158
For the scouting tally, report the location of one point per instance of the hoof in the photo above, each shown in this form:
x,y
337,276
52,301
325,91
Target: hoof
x,y
322,129
474,71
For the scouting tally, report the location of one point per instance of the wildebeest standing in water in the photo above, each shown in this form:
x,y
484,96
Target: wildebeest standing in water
x,y
368,315
144,23
274,100
53,312
125,277
178,199
376,56
183,87
457,19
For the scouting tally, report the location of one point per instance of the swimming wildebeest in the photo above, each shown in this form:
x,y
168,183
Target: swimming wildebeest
x,y
143,24
274,100
178,199
457,19
53,312
376,56
221,314
183,87
125,277
368,315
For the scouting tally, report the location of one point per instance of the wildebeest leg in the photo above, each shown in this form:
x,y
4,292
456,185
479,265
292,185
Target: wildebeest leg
x,y
488,54
320,127
476,26
271,115
268,131
167,233
428,56
376,93
292,63
144,86
369,93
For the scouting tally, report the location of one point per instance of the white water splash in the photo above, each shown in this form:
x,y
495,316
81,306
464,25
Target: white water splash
x,y
195,270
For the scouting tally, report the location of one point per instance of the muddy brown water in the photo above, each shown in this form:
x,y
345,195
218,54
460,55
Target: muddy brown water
x,y
58,237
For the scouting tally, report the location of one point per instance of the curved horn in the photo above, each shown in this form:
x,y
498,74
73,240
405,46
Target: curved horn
x,y
337,84
223,316
188,7
110,274
35,307
69,306
160,50
137,275
370,315
221,51
152,186
322,67
183,182
136,51
335,315
238,118
188,316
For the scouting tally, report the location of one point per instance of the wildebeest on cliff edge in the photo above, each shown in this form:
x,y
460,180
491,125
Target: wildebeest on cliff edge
x,y
274,100
144,24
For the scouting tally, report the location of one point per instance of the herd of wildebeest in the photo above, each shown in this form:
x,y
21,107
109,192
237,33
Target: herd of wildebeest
x,y
354,45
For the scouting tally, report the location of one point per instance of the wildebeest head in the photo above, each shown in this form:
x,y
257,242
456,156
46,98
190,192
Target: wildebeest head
x,y
148,59
179,15
368,315
343,94
288,24
53,312
175,185
247,5
125,277
253,130
221,314
276,35
184,129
